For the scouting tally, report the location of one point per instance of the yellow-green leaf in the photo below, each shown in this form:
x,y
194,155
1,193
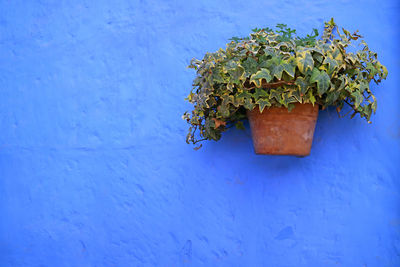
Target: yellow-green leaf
x,y
259,76
259,92
358,98
311,97
332,64
277,71
262,103
289,69
322,79
302,84
305,62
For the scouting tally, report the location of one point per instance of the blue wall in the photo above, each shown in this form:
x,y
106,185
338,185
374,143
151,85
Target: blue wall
x,y
94,170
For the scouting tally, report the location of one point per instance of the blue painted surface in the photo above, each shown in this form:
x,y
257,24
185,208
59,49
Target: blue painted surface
x,y
94,170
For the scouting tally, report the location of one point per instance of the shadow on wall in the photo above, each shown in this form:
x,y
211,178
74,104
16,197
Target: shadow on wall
x,y
242,161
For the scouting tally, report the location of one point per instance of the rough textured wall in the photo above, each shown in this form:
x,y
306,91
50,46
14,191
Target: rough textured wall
x,y
94,170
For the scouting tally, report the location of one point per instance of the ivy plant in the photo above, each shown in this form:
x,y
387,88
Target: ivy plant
x,y
278,68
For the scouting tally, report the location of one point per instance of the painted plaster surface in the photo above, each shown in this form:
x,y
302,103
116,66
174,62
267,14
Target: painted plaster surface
x,y
94,170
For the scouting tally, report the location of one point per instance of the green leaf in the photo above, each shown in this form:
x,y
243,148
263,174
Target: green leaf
x,y
318,55
262,103
305,62
358,98
239,101
322,79
244,94
296,94
332,97
314,75
346,32
302,85
374,106
250,66
248,104
269,63
236,74
217,76
367,110
384,72
259,76
275,94
259,92
287,98
372,69
343,82
230,87
352,58
269,51
289,69
278,66
332,64
235,39
363,85
227,99
311,97
336,54
277,71
223,111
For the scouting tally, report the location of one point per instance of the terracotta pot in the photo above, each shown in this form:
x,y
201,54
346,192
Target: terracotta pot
x,y
276,131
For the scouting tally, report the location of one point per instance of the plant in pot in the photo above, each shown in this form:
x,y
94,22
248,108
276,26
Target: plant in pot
x,y
279,81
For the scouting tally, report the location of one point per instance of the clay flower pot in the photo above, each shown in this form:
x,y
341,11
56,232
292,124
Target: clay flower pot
x,y
276,131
